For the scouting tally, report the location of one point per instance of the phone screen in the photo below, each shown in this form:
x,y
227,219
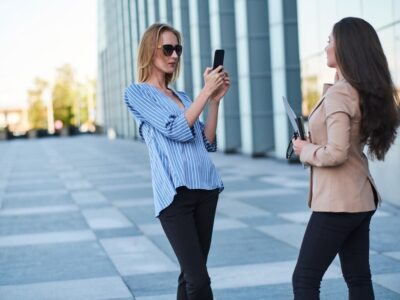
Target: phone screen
x,y
218,58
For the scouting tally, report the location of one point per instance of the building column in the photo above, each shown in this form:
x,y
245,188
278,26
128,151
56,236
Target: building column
x,y
100,86
285,67
254,75
153,11
223,36
142,15
200,41
181,23
166,11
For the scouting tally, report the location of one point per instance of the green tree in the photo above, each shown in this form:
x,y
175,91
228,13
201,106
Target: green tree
x,y
64,96
37,112
81,107
311,93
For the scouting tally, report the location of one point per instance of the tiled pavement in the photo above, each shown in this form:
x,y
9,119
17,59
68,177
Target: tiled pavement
x,y
77,222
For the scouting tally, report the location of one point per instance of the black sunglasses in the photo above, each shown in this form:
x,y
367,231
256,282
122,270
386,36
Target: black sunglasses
x,y
169,49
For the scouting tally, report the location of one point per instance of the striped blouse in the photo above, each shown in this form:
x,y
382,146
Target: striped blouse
x,y
178,153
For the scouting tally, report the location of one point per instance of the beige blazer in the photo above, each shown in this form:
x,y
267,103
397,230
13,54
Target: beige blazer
x,y
340,180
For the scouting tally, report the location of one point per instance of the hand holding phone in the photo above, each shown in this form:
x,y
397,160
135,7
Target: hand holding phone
x,y
218,58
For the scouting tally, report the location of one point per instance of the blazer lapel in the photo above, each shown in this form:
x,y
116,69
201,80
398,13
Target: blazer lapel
x,y
316,106
325,89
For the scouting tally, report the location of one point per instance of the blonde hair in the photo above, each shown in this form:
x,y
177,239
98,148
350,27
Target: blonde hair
x,y
148,46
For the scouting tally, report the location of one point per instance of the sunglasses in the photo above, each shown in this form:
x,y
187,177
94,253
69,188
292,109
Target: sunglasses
x,y
169,49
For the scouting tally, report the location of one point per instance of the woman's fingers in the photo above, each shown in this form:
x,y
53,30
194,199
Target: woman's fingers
x,y
218,69
216,79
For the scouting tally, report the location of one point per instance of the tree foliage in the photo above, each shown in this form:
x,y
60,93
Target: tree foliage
x,y
64,96
37,113
73,102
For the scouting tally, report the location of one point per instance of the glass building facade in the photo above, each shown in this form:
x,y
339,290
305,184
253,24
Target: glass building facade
x,y
273,48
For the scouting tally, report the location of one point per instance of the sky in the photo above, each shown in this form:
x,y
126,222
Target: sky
x,y
37,37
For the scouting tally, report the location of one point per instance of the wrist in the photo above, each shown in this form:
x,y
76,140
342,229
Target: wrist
x,y
214,102
206,92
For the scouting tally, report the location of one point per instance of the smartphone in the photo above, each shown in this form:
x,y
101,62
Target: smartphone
x,y
218,58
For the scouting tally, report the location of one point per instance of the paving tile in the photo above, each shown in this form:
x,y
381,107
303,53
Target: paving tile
x,y
246,184
383,231
255,247
117,232
151,229
127,178
146,186
25,224
291,234
68,175
157,297
258,274
88,197
38,210
128,193
389,281
134,202
46,238
37,201
34,182
163,285
41,193
263,292
280,203
381,264
137,255
228,178
259,193
53,262
222,223
237,209
88,289
140,214
297,217
77,184
91,170
104,178
285,182
263,220
105,218
395,255
163,244
43,185
44,175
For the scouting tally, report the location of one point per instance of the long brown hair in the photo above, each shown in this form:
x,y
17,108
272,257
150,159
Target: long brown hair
x,y
148,46
361,59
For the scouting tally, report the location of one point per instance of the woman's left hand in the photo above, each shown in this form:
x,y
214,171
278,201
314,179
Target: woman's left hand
x,y
298,145
220,92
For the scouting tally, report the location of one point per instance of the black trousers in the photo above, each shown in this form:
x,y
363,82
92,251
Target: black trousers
x,y
326,235
188,224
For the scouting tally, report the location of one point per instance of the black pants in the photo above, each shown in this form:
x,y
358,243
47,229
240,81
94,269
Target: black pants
x,y
188,223
326,235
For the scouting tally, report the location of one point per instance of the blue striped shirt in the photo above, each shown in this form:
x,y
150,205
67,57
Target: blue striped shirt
x,y
178,153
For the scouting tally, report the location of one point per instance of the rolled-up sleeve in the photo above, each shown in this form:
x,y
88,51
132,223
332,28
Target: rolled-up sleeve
x,y
146,109
210,147
338,114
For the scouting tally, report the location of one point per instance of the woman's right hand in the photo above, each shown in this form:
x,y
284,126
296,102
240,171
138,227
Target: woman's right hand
x,y
213,79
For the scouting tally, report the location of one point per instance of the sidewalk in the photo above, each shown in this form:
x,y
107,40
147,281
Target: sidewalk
x,y
77,222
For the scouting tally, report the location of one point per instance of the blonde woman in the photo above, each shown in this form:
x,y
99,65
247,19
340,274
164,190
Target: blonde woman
x,y
186,184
